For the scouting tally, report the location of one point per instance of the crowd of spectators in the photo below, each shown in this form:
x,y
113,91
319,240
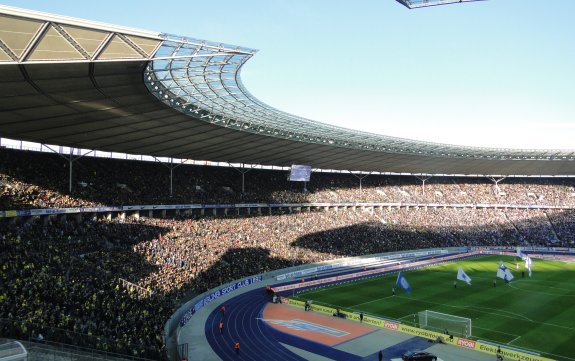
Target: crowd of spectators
x,y
562,223
63,278
40,180
112,283
60,280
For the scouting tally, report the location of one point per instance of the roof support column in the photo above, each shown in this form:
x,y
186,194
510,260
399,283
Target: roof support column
x,y
71,164
423,178
171,167
360,177
171,178
242,169
496,181
70,160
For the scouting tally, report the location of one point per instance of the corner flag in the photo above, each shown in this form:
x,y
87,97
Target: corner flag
x,y
504,272
402,282
528,263
462,276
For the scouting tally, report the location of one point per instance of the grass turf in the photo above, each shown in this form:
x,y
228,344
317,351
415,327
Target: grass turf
x,y
536,313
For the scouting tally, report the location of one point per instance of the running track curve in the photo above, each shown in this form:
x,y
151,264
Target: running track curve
x,y
258,341
242,322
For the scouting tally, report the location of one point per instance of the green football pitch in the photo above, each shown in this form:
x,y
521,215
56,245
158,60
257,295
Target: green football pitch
x,y
532,313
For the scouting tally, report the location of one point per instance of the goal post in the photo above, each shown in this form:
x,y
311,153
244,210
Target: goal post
x,y
443,322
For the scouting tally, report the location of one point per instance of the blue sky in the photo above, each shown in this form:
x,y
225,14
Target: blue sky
x,y
499,73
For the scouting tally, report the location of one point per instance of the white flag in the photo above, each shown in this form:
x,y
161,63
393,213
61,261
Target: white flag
x,y
520,254
462,276
528,263
504,272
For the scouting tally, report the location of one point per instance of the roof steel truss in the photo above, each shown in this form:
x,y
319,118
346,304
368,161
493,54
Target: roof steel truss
x,y
90,93
202,79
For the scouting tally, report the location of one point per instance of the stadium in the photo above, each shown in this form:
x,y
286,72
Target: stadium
x,y
153,209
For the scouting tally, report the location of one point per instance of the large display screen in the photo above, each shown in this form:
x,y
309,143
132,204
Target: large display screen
x,y
300,173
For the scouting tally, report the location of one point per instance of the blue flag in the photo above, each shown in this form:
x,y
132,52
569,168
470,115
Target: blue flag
x,y
402,282
462,276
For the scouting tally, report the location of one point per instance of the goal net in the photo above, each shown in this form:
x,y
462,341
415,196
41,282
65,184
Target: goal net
x,y
443,322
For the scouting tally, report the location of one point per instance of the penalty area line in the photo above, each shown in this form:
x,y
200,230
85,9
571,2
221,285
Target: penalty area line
x,y
406,316
515,339
496,331
365,303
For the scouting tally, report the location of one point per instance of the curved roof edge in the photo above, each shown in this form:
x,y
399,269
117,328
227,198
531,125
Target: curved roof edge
x,y
202,79
74,85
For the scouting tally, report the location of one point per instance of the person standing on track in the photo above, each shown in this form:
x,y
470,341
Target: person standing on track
x,y
237,347
499,356
223,310
380,355
221,327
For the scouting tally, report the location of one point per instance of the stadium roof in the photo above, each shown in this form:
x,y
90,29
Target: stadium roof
x,y
91,85
414,4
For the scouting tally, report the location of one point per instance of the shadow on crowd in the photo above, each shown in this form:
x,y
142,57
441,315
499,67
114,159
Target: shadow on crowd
x,y
112,284
40,180
79,285
237,263
63,283
379,236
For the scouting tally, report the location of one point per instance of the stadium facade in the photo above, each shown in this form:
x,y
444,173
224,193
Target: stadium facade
x,y
90,85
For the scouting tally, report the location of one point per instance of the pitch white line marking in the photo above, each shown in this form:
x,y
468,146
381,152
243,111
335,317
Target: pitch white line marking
x,y
515,339
494,310
545,293
480,309
501,332
365,303
537,352
406,316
